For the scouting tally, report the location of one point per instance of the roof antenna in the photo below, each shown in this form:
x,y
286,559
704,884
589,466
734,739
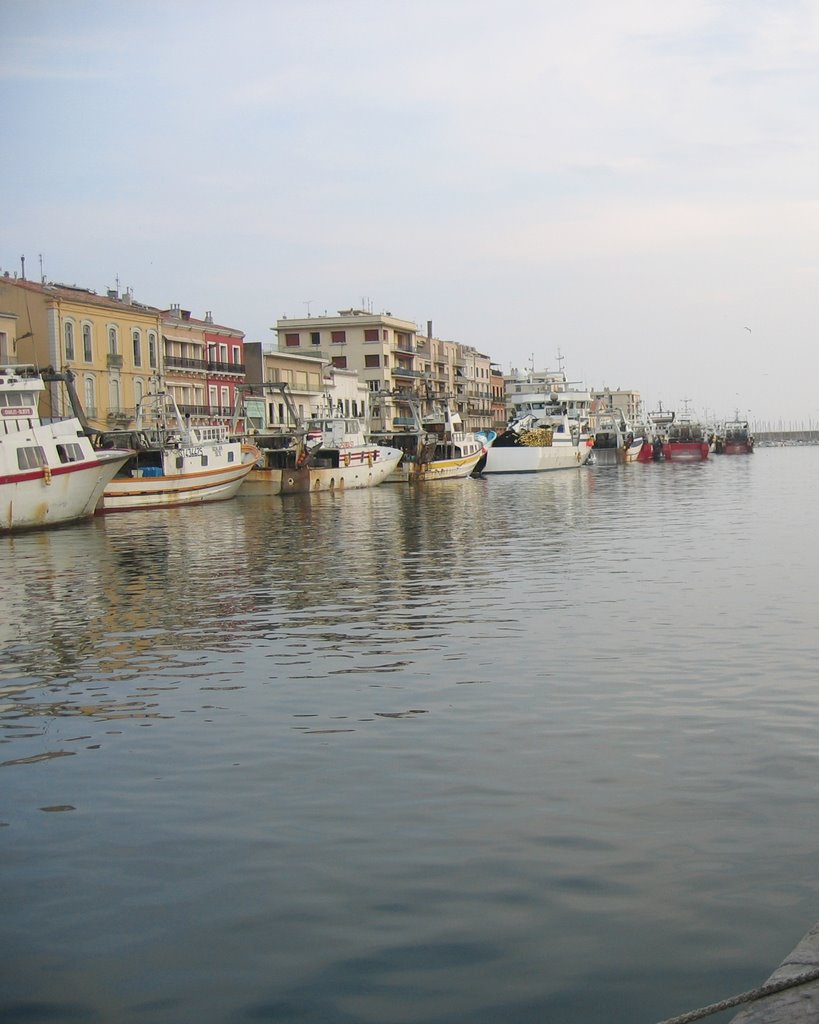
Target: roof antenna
x,y
23,267
42,275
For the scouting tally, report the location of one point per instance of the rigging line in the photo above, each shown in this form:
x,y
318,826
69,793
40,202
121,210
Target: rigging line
x,y
768,989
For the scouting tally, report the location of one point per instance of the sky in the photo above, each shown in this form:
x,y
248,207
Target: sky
x,y
631,187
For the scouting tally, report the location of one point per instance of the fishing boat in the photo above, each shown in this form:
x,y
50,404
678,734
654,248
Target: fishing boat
x,y
432,445
549,427
615,441
49,471
325,453
532,445
734,437
685,441
173,462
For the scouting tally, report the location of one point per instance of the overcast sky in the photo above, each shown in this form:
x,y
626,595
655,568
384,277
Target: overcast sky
x,y
631,183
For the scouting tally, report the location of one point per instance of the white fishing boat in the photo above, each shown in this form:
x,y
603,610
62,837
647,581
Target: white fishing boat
x,y
433,446
173,462
49,470
548,427
615,441
530,445
325,453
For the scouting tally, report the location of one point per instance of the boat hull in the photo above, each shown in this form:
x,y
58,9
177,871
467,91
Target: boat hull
x,y
126,494
410,471
531,459
737,448
50,496
685,451
361,472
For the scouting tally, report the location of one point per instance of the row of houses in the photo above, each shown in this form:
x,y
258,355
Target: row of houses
x,y
119,350
355,362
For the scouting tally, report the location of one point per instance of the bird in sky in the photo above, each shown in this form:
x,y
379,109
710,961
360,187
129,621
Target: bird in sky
x,y
748,329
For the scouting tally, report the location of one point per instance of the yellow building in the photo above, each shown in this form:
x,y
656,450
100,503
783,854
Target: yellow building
x,y
8,339
110,342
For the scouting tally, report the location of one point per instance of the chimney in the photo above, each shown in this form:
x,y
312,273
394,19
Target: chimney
x,y
23,267
429,328
209,317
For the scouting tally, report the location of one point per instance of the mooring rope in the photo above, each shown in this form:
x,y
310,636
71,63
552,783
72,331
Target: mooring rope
x,y
768,989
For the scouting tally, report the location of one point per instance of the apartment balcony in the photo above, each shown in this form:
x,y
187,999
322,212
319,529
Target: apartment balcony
x,y
215,367
399,371
120,418
209,411
114,361
184,363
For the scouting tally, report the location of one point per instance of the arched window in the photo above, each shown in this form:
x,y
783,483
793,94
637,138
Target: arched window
x,y
113,341
87,346
136,337
139,391
152,350
113,395
90,397
68,333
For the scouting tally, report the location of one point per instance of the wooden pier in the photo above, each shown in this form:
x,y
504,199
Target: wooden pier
x,y
798,1005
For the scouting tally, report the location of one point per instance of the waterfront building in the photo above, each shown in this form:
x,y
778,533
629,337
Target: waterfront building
x,y
629,403
110,342
204,363
396,361
316,386
8,338
498,397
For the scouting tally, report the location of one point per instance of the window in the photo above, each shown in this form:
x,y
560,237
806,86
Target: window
x,y
236,355
213,396
139,391
204,460
340,362
137,340
231,456
90,397
223,354
152,349
69,452
372,360
68,332
291,340
87,346
371,334
338,337
113,341
31,458
113,395
315,338
225,400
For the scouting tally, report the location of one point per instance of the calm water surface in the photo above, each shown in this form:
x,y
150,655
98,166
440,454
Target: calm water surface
x,y
535,749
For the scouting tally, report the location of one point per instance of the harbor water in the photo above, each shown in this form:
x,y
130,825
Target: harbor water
x,y
520,749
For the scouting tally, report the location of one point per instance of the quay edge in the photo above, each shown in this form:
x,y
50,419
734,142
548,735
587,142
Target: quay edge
x,y
798,1005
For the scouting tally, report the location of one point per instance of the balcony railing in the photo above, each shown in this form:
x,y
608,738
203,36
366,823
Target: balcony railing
x,y
184,363
205,410
399,371
114,361
226,367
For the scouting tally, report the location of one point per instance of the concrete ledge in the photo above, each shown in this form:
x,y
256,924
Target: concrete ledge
x,y
798,1005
